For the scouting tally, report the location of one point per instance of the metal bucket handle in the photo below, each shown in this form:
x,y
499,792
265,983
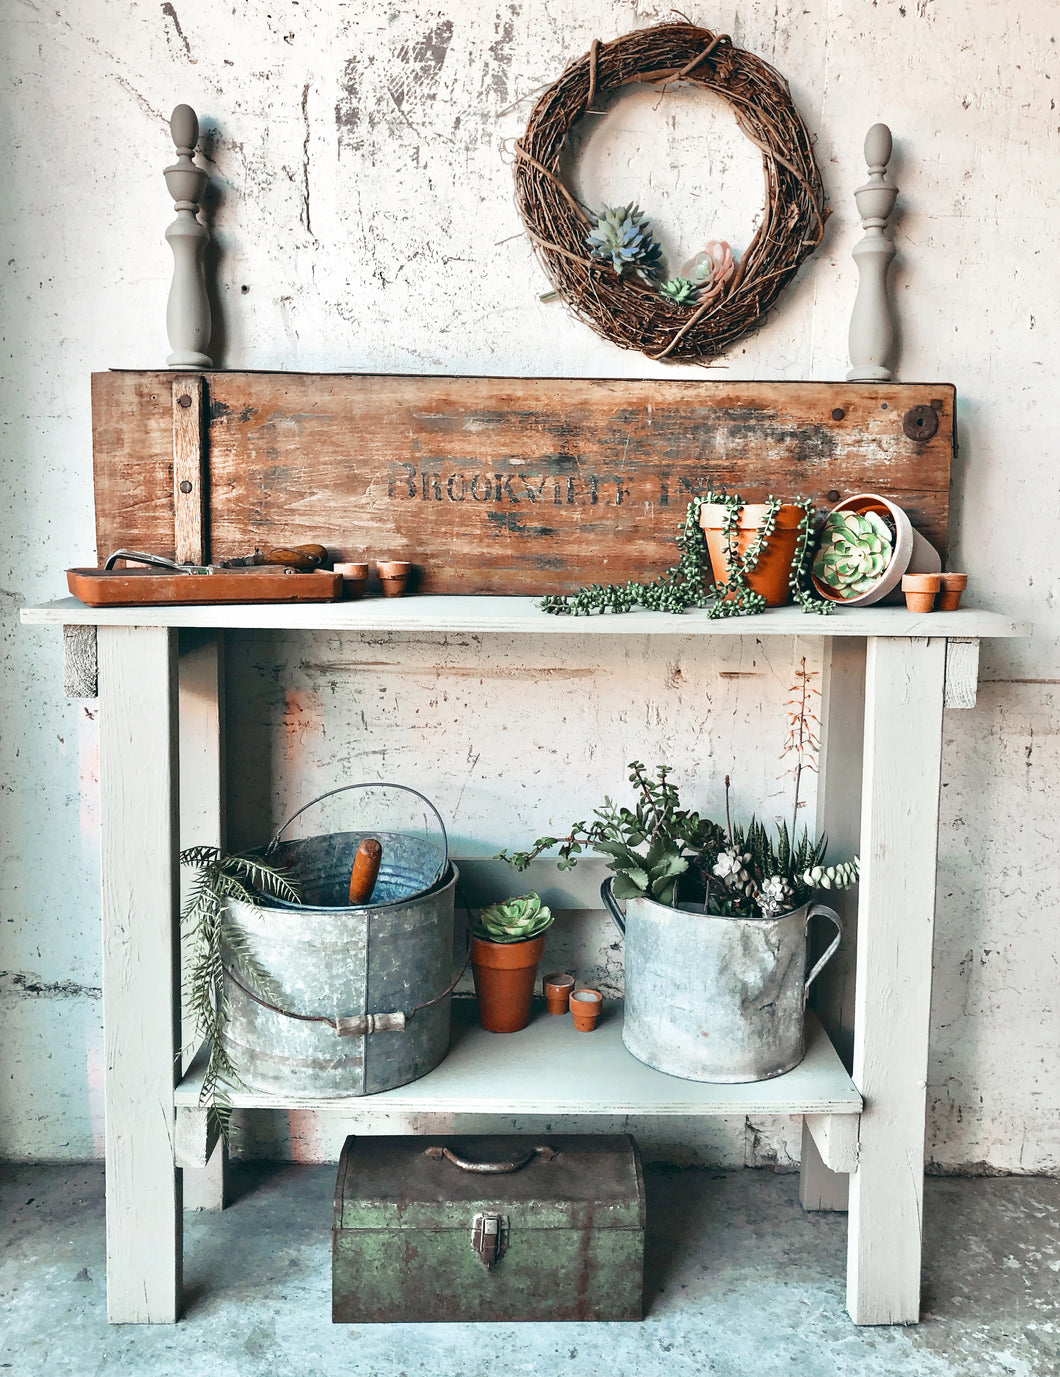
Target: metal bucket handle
x,y
370,784
815,911
823,911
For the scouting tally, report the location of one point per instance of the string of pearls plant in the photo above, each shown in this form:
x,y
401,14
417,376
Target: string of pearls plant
x,y
689,582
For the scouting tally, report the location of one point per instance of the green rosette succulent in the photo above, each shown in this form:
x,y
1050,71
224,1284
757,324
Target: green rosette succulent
x,y
853,553
514,920
622,236
680,291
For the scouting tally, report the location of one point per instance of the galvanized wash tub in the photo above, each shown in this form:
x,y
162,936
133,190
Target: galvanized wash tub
x,y
329,1000
716,999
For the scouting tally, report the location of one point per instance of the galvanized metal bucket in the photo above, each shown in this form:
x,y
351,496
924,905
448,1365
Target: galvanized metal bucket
x,y
716,999
328,1000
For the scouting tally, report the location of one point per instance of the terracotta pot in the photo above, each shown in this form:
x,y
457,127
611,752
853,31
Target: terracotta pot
x,y
770,578
557,987
504,981
354,579
920,591
393,576
912,553
950,590
585,1005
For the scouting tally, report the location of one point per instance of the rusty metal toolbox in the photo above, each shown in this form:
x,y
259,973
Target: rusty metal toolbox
x,y
488,1228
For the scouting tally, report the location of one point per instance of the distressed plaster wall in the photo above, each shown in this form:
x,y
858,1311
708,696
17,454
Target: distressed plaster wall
x,y
362,217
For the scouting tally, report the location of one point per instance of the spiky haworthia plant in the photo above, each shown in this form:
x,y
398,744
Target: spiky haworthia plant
x,y
680,291
222,877
853,552
514,920
622,236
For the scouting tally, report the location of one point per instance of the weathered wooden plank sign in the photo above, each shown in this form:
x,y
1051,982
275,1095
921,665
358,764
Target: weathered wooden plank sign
x,y
503,485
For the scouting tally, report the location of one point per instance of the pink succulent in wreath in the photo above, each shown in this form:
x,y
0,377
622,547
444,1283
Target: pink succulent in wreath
x,y
711,270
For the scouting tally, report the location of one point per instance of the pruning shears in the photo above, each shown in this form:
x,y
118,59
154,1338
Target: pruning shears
x,y
295,559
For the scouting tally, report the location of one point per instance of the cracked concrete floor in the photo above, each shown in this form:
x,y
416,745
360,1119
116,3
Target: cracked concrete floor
x,y
738,1280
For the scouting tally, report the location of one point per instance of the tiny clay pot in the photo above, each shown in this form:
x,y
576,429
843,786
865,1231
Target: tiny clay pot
x,y
920,591
354,579
585,1005
952,586
558,988
393,576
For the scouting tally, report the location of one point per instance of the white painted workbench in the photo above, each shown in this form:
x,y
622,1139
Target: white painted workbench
x,y
888,675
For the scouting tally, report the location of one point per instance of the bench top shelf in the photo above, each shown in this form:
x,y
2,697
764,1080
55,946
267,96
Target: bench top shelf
x,y
482,615
550,1069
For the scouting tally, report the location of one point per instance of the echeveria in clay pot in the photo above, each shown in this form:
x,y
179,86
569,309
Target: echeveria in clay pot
x,y
507,943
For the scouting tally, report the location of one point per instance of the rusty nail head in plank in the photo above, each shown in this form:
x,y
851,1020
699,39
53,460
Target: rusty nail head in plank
x,y
833,495
838,414
185,486
184,400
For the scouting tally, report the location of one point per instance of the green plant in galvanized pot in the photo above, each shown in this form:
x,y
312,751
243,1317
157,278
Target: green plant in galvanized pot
x,y
507,943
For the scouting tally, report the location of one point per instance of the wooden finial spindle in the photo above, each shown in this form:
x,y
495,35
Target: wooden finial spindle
x,y
188,322
872,333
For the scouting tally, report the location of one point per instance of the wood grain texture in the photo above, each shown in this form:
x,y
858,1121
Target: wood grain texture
x,y
189,471
502,485
896,915
138,863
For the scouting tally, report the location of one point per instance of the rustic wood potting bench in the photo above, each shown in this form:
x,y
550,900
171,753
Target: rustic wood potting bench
x,y
887,676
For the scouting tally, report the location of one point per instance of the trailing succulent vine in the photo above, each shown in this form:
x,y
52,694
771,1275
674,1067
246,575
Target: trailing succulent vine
x,y
222,877
689,583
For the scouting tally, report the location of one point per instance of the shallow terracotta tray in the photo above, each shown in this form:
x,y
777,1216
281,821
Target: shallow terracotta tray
x,y
150,588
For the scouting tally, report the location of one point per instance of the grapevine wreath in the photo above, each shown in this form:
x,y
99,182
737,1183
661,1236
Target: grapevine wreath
x,y
675,322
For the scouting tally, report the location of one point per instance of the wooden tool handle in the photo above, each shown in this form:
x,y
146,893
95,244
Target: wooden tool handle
x,y
365,870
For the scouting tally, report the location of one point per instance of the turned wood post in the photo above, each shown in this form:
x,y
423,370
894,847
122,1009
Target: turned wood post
x,y
872,334
188,321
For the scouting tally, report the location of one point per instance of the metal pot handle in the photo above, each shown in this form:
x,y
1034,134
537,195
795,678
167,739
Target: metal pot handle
x,y
503,1168
823,911
369,784
611,904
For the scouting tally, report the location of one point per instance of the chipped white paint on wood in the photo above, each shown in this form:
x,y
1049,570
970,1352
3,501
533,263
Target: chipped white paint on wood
x,y
896,910
819,1187
962,672
138,841
842,712
80,674
547,1070
202,823
836,1139
523,614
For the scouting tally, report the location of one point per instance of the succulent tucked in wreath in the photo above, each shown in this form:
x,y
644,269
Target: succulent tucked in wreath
x,y
584,257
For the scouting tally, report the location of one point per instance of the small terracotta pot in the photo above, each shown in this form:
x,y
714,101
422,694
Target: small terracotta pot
x,y
585,1005
504,981
393,576
920,591
770,578
952,586
557,987
354,579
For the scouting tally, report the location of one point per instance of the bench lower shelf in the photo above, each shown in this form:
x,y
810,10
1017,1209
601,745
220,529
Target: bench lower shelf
x,y
549,1069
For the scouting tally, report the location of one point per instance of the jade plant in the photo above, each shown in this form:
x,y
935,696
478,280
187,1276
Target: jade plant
x,y
661,851
689,583
647,846
212,937
514,920
853,552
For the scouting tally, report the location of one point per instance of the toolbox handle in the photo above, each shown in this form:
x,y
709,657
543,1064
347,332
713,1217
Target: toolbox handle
x,y
503,1168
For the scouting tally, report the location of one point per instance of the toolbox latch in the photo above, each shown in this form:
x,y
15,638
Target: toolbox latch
x,y
489,1238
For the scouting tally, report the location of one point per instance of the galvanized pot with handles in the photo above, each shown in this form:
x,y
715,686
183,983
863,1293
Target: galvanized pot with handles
x,y
716,999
